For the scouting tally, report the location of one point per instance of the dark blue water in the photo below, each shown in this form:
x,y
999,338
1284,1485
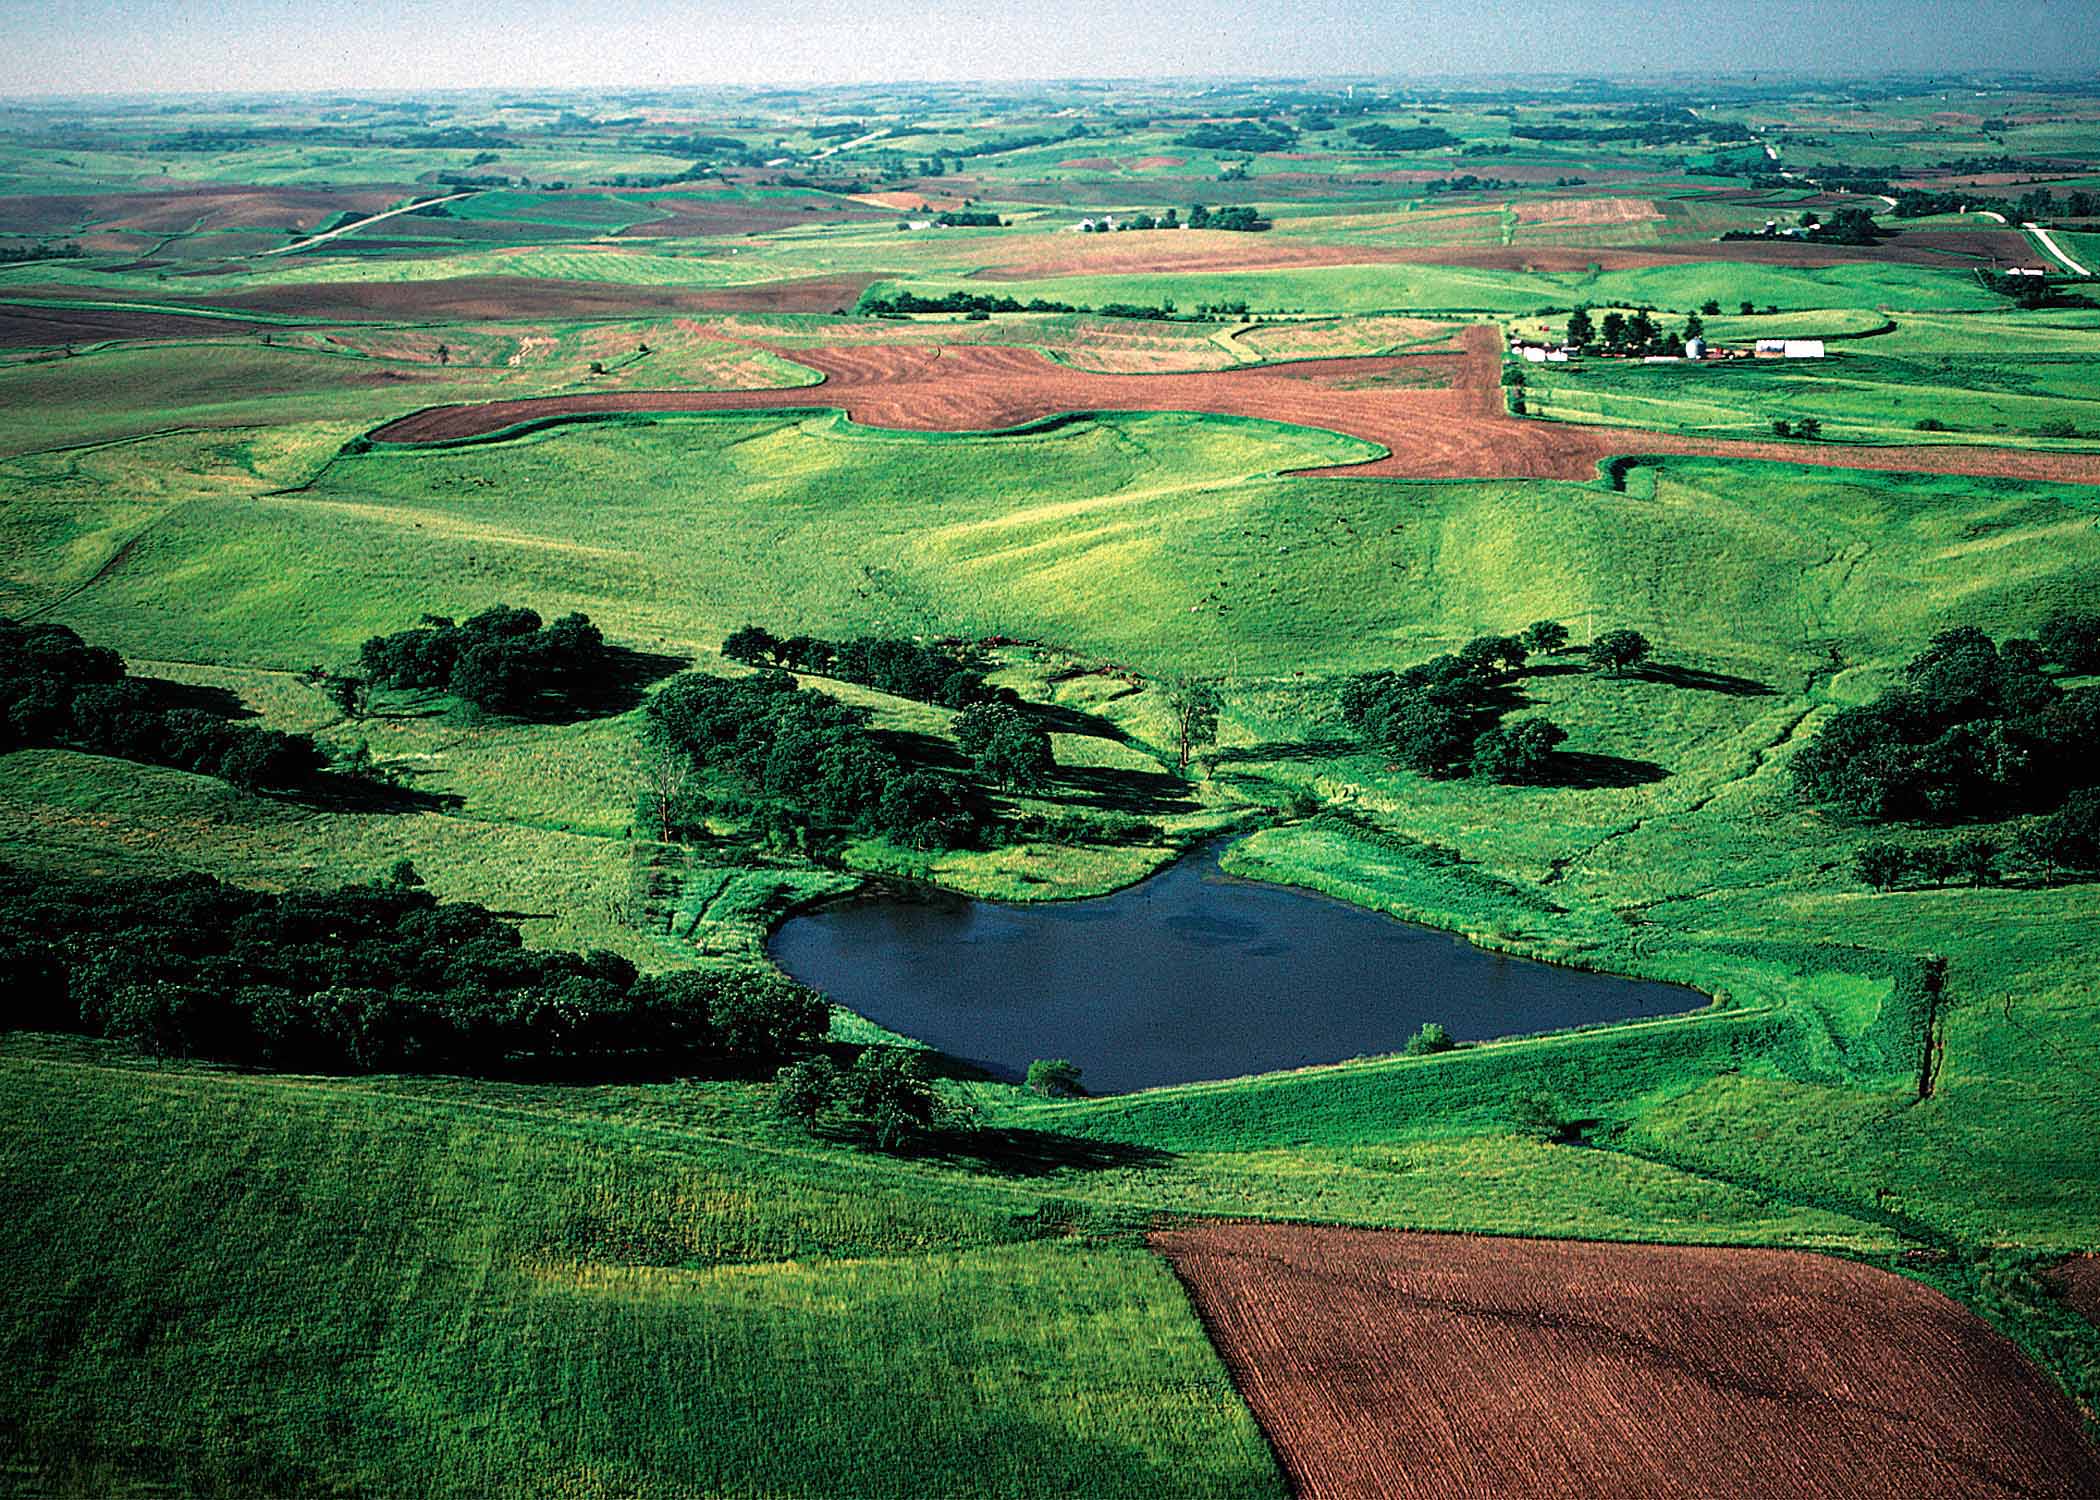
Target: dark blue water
x,y
1190,975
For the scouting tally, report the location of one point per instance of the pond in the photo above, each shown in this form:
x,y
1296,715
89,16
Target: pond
x,y
1189,975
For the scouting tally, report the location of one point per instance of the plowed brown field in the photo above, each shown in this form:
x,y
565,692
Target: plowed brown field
x,y
1392,1365
1439,416
31,327
487,299
2078,1283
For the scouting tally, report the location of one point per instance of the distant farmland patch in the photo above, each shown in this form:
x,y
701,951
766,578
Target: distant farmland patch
x,y
1411,1365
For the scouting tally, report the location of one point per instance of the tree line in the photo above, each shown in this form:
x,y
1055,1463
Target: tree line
x,y
901,668
56,690
371,977
1977,729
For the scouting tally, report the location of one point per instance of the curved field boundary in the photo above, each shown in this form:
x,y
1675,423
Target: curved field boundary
x,y
1435,416
1409,1366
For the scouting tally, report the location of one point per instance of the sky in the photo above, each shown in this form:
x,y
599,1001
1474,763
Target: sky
x,y
163,46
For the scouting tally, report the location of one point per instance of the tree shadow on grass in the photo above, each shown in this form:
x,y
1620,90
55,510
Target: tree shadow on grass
x,y
1056,718
331,792
1306,749
1038,1153
1123,789
219,702
1704,681
618,686
1579,768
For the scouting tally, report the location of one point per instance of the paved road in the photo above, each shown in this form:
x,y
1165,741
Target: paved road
x,y
406,208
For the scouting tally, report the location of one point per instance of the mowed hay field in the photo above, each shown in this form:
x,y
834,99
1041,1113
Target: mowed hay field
x,y
296,1286
1434,1367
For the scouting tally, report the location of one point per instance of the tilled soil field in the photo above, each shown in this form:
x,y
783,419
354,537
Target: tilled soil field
x,y
2078,1283
1419,1367
24,327
489,299
1439,416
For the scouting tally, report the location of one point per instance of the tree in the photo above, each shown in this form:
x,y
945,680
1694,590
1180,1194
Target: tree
x,y
1541,1112
1881,865
761,1015
1427,732
889,1088
1781,427
1430,1039
1747,309
1194,707
1808,427
1054,1078
667,773
1618,651
1582,332
753,645
2068,839
1544,637
1641,331
1694,326
1975,855
804,1092
1004,747
1614,330
1518,752
2071,638
352,696
1711,307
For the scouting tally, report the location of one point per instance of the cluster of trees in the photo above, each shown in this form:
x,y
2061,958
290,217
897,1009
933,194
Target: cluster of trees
x,y
15,255
1242,218
1800,427
886,1097
1239,137
1653,133
901,668
1402,137
369,977
1467,182
901,303
2028,292
1978,729
502,661
968,218
1848,226
808,750
1433,718
1617,333
2066,840
57,690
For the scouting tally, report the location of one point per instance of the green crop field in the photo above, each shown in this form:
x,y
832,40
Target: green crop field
x,y
559,1277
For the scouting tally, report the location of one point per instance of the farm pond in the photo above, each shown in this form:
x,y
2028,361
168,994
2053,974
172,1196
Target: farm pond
x,y
1192,974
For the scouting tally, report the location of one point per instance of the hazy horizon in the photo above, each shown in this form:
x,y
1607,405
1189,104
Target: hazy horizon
x,y
333,46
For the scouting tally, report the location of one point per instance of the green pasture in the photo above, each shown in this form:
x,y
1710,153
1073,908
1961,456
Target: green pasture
x,y
1378,288
1858,394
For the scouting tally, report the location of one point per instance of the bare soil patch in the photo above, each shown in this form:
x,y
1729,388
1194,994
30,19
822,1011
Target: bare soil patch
x,y
1386,1364
1439,416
